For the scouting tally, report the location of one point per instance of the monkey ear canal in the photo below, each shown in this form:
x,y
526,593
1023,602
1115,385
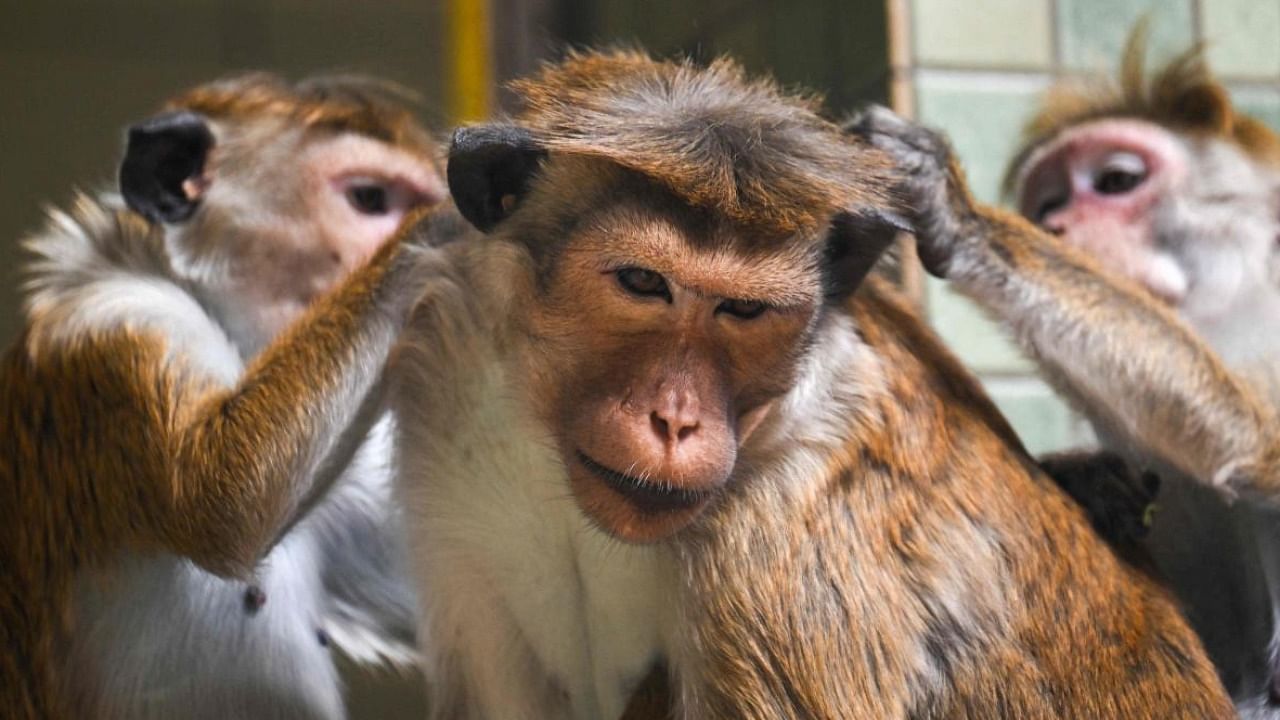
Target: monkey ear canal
x,y
854,245
163,164
489,171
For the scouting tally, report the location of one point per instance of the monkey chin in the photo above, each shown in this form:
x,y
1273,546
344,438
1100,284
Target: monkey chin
x,y
632,509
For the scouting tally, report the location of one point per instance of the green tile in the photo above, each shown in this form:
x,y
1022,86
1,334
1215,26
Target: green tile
x,y
982,344
993,32
983,114
1092,32
1043,421
1243,36
1262,103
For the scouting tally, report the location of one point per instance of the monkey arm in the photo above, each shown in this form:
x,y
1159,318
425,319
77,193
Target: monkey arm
x,y
1125,360
245,462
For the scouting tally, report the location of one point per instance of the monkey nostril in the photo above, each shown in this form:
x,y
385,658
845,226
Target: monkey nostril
x,y
670,432
660,426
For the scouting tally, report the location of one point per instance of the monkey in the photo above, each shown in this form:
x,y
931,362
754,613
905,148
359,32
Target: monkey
x,y
656,424
194,480
1143,285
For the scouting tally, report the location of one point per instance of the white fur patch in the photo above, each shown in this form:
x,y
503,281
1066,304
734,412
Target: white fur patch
x,y
529,611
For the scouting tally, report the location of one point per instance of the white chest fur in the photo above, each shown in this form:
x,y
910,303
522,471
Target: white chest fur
x,y
528,610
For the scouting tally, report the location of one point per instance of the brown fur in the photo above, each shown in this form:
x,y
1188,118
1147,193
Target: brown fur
x,y
932,572
1182,96
1132,311
109,445
113,438
743,148
362,105
1151,386
882,546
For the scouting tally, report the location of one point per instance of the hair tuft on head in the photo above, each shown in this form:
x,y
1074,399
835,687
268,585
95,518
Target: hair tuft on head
x,y
1182,96
718,140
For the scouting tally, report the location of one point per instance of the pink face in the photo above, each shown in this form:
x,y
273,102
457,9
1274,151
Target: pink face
x,y
288,214
1098,186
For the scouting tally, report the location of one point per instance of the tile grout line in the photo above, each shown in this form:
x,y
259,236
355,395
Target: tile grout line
x,y
1055,41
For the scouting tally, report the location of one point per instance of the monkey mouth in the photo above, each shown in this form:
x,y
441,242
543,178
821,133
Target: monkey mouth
x,y
650,497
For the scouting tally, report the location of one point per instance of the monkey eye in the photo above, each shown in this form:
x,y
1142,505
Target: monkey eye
x,y
369,198
645,283
1121,173
742,309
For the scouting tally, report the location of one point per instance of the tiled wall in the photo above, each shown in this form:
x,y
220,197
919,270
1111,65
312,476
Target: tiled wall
x,y
976,68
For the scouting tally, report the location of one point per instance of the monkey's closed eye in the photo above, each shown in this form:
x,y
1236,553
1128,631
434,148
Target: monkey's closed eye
x,y
645,283
742,309
369,199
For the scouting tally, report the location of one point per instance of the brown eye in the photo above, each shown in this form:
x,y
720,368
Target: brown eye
x,y
369,199
645,283
742,309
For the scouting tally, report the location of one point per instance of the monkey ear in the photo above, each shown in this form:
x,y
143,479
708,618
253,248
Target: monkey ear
x,y
855,243
489,170
163,162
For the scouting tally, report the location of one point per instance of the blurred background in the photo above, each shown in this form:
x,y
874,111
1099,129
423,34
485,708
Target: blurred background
x,y
74,73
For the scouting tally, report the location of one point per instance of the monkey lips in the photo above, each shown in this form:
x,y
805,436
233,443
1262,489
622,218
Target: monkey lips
x,y
635,509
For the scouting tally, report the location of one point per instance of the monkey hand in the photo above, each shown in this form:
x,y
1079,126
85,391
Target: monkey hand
x,y
931,188
1119,502
421,260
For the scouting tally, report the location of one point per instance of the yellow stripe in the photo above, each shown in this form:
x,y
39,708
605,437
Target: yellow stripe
x,y
470,58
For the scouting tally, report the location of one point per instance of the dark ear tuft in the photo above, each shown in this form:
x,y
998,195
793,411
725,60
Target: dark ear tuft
x,y
489,171
1205,105
855,243
163,153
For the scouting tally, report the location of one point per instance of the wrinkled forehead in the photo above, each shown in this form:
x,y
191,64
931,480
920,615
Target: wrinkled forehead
x,y
701,252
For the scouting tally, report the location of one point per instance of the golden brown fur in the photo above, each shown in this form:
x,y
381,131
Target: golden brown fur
x,y
1146,291
741,147
1149,181
111,445
956,580
375,108
868,539
130,425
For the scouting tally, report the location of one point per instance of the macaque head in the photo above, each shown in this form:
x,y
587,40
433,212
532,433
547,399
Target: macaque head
x,y
687,229
270,192
1162,181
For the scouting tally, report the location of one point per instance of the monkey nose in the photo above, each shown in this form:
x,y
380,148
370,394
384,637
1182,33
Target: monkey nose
x,y
672,428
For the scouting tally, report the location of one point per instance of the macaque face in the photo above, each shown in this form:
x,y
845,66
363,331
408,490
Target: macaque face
x,y
670,346
1191,219
292,211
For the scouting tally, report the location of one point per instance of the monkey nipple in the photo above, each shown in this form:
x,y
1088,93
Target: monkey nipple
x,y
254,598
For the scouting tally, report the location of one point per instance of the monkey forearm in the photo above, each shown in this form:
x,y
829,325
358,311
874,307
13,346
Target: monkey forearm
x,y
1130,362
248,459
